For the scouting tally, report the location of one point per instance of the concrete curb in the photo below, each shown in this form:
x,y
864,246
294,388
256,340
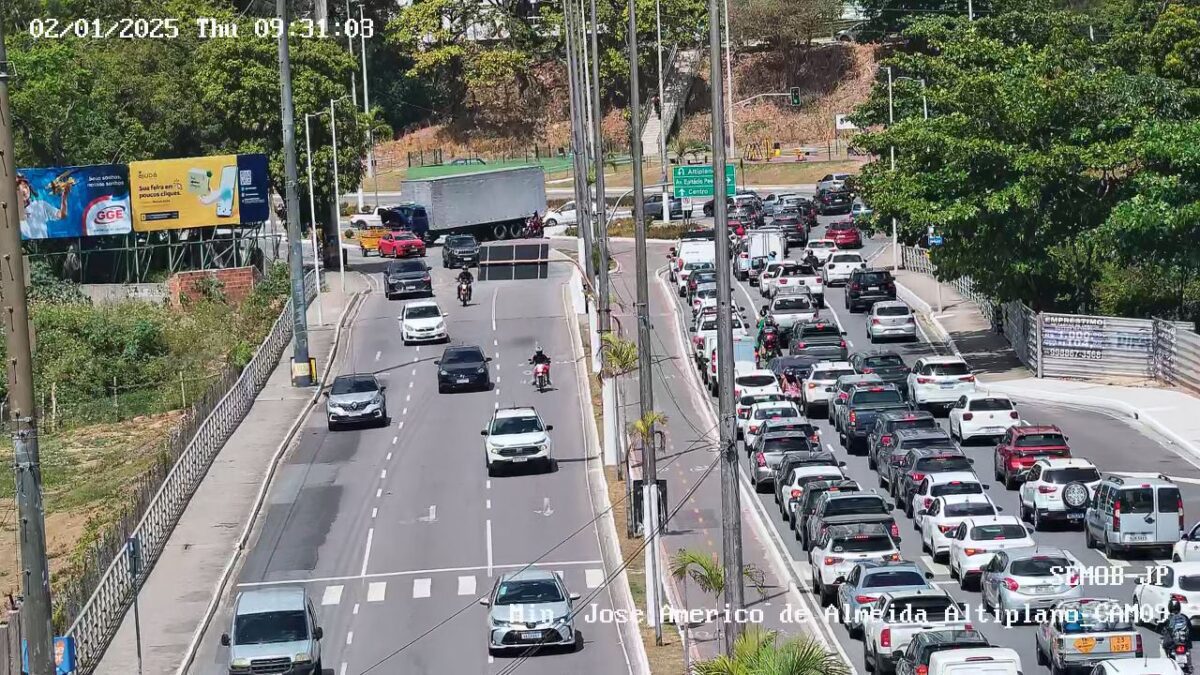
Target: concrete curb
x,y
607,532
227,572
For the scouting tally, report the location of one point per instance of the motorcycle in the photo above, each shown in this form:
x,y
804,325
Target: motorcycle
x,y
1181,657
464,292
541,376
532,229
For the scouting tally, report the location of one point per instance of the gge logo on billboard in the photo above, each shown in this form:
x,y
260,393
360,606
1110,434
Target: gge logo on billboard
x,y
107,215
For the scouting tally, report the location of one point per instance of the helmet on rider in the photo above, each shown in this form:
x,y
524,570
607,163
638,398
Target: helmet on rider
x,y
1173,606
466,267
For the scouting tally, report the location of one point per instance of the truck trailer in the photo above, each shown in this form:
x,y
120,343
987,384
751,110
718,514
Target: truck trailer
x,y
488,204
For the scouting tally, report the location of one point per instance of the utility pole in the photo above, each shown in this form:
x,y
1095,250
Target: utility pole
x,y
354,96
970,11
321,11
645,350
583,210
731,508
337,193
312,210
362,47
662,122
729,94
35,572
892,120
302,366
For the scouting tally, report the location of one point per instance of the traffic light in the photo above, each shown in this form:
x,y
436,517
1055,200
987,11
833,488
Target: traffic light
x,y
795,92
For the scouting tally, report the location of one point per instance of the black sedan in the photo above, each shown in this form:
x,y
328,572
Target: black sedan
x,y
463,367
407,277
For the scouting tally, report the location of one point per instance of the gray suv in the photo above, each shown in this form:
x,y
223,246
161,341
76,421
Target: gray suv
x,y
356,399
274,631
1134,513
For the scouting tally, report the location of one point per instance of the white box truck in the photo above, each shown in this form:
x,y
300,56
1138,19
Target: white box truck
x,y
488,204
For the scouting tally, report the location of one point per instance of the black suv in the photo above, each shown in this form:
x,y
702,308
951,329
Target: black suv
x,y
411,217
920,463
459,250
889,457
888,365
406,277
834,202
866,402
883,433
800,507
818,338
462,368
794,227
868,286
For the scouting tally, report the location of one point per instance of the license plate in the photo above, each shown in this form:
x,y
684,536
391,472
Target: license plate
x,y
1120,643
1137,537
1075,516
947,385
461,380
872,288
532,635
520,459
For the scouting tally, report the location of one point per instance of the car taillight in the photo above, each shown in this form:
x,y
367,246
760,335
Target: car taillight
x,y
1047,489
895,557
797,493
886,440
1138,648
754,429
853,418
799,345
973,551
425,278
967,378
1074,580
922,670
924,380
812,385
1180,506
928,501
864,599
815,438
783,282
947,528
832,560
968,416
744,255
1014,463
885,637
1116,522
1011,584
874,322
842,344
1014,415
895,530
855,286
917,476
1181,599
1179,649
842,396
761,459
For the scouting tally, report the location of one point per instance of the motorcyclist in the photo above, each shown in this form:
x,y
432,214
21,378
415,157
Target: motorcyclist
x,y
535,224
539,357
811,260
1177,629
764,318
465,277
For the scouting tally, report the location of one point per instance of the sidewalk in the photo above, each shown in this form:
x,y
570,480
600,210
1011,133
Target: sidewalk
x,y
176,596
1172,412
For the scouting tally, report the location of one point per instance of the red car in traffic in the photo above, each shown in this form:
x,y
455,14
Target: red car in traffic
x,y
401,244
845,234
1024,445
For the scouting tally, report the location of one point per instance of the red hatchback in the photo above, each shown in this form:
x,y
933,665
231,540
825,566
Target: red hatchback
x,y
1024,445
844,234
401,244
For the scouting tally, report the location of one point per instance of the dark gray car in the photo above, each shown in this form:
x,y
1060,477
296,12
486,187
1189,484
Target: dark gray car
x,y
407,277
459,250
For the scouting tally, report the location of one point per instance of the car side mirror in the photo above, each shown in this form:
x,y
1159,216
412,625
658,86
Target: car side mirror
x,y
485,602
971,460
923,512
1137,581
999,509
549,427
318,633
325,394
691,329
985,486
1029,529
839,580
575,596
225,641
483,432
929,575
842,464
487,359
890,506
437,362
383,387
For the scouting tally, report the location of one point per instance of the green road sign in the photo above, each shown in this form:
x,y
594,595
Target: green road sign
x,y
697,180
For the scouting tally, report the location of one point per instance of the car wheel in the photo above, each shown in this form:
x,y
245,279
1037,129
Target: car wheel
x,y
441,388
491,471
331,426
1088,541
1037,520
550,222
924,545
870,661
1010,482
871,460
551,465
1110,551
1038,655
879,476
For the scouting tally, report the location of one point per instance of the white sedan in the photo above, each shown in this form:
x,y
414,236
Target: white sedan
x,y
751,382
818,385
1178,580
944,516
423,321
839,266
762,412
942,485
1188,548
979,414
748,401
977,539
821,249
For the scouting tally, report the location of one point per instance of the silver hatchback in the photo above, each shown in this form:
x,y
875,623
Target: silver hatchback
x,y
1021,582
528,609
891,319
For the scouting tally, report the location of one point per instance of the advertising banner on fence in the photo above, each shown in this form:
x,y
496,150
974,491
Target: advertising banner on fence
x,y
74,201
222,190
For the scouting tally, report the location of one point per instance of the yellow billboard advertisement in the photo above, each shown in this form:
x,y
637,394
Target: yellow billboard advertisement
x,y
171,194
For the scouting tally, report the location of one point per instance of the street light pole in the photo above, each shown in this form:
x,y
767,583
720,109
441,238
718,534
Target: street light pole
x,y
892,120
337,195
312,211
662,122
362,47
353,93
729,94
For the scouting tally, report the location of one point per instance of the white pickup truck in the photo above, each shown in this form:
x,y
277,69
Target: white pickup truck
x,y
890,623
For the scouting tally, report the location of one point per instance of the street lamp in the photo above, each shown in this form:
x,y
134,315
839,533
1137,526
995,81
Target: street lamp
x,y
337,193
662,127
312,210
891,120
362,47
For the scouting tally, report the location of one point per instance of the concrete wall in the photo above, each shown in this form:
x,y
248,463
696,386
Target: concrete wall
x,y
102,294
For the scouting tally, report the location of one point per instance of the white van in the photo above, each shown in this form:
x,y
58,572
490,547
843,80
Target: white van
x,y
693,250
979,661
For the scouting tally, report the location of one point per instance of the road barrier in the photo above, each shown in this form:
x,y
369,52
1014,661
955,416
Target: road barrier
x,y
200,437
1086,347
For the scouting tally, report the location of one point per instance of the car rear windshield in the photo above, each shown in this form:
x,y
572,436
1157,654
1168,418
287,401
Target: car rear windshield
x,y
462,356
422,312
883,361
354,385
894,579
958,487
831,374
997,532
864,504
841,226
970,509
760,398
1035,440
1191,583
1168,500
530,592
922,609
755,380
925,442
786,444
775,413
873,278
942,464
406,266
1063,476
882,396
821,244
891,310
793,302
913,423
1094,618
269,627
851,257
863,543
817,329
988,404
949,369
1040,566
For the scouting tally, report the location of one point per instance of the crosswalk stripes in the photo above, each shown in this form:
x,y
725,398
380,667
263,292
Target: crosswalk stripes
x,y
422,587
594,578
376,591
466,585
463,584
332,596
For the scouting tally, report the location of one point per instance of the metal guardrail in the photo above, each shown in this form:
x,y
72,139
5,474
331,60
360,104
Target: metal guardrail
x,y
1086,347
97,622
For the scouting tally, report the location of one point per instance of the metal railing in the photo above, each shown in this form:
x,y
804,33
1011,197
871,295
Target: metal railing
x,y
156,509
1085,347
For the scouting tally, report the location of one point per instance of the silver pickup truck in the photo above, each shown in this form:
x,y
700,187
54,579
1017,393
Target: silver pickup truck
x,y
1078,634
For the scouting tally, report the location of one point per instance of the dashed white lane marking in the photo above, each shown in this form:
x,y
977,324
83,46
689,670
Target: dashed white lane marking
x,y
497,403
332,596
432,516
488,484
594,577
382,474
489,547
404,412
395,440
376,591
414,372
421,587
935,567
495,343
389,457
377,355
342,671
356,609
408,398
400,427
367,551
488,504
350,638
378,493
410,385
374,513
466,585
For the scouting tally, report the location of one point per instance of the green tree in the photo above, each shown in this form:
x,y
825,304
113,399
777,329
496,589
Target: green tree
x,y
759,652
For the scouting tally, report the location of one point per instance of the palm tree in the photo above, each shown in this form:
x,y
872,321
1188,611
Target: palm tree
x,y
709,575
617,356
759,652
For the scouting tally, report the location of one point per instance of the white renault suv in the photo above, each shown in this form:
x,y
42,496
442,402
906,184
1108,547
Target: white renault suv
x,y
939,381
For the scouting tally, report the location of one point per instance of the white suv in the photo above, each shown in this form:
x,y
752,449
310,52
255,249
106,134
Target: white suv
x,y
838,548
820,382
1058,489
977,539
837,270
939,381
517,436
980,414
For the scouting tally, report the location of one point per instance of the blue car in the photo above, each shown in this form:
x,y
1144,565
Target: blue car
x,y
869,580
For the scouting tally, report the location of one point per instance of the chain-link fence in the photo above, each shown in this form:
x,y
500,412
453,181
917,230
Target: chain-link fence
x,y
93,603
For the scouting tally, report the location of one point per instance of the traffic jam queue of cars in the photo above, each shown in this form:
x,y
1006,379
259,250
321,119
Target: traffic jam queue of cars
x,y
883,408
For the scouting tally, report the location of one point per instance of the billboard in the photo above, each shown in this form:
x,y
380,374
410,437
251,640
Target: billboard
x,y
74,201
222,190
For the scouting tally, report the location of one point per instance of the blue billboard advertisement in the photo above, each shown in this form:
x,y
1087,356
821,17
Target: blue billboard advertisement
x,y
74,201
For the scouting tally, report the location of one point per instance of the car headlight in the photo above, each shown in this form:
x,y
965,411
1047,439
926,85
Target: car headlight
x,y
501,623
240,663
441,325
377,400
302,657
443,372
544,447
482,370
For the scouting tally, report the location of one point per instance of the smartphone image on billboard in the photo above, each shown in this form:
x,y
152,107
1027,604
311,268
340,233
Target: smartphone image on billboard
x,y
226,191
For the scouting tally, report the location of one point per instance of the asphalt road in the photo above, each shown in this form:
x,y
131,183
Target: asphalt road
x,y
396,532
1115,445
